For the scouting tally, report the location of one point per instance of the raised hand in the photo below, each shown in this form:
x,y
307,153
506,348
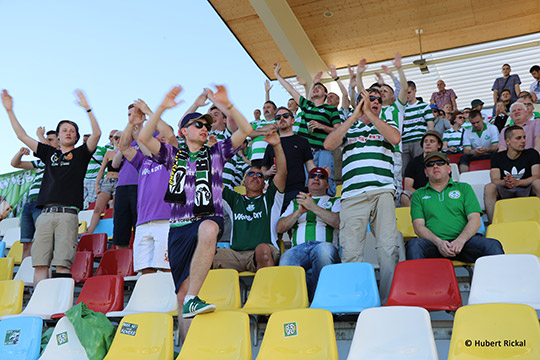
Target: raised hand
x,y
169,101
142,106
386,70
24,151
397,61
277,69
317,78
211,141
7,100
40,131
352,76
201,100
358,112
366,108
332,71
267,85
82,101
272,138
301,81
221,95
379,77
362,66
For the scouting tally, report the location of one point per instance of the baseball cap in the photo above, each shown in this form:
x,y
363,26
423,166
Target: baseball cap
x,y
436,154
433,107
432,133
318,170
196,116
476,102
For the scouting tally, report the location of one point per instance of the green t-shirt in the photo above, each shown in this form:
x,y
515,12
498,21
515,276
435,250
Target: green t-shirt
x,y
445,213
254,220
325,114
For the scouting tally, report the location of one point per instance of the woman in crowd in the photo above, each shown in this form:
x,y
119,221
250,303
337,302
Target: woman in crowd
x,y
453,137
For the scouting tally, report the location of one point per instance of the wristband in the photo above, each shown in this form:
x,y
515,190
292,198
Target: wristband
x,y
336,79
230,107
89,110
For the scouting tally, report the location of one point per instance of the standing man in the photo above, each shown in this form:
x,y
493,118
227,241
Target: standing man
x,y
260,128
535,85
368,185
195,191
446,218
61,193
443,96
515,172
479,142
507,81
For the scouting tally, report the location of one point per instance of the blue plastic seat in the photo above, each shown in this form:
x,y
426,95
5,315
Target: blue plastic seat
x,y
20,338
346,288
2,249
105,226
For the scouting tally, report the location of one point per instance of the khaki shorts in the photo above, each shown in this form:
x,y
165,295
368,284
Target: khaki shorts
x,y
240,260
55,240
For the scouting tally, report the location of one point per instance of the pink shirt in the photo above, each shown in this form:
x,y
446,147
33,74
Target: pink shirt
x,y
442,98
532,129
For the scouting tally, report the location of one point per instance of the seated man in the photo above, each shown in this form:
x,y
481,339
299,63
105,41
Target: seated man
x,y
254,217
314,219
515,172
479,142
415,175
446,218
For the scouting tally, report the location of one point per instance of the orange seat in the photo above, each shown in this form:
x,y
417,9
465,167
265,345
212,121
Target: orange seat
x,y
108,213
96,243
116,262
428,283
480,165
83,266
454,158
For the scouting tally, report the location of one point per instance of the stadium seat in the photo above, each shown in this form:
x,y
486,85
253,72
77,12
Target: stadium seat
x,y
222,288
404,222
25,273
2,249
11,297
393,332
83,266
8,224
16,252
105,226
427,283
223,245
229,331
240,189
152,293
455,172
51,296
108,213
477,165
91,206
86,215
146,336
131,241
11,235
520,237
511,278
6,268
347,288
116,262
277,288
101,294
495,331
339,188
21,338
64,343
299,334
477,179
454,158
96,243
83,226
517,209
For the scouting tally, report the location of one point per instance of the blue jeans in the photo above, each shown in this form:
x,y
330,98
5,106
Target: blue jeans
x,y
29,216
311,255
323,158
476,247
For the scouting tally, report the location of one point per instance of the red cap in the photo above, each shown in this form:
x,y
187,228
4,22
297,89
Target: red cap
x,y
318,170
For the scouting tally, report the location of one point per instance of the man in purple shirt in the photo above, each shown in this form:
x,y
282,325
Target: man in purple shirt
x,y
195,191
444,96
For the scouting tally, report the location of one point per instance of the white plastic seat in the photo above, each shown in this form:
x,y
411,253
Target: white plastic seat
x,y
51,296
26,272
64,343
455,172
477,179
86,215
510,278
12,235
393,333
152,293
8,224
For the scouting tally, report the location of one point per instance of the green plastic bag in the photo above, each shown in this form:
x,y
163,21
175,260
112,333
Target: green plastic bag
x,y
94,330
45,338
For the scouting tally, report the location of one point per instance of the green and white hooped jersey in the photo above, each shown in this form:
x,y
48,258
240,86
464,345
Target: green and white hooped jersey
x,y
368,160
309,227
221,134
233,171
94,166
258,146
415,122
396,113
33,192
297,120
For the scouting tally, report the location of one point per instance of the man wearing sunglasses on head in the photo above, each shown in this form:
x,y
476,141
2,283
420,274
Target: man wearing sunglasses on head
x,y
195,193
446,217
368,184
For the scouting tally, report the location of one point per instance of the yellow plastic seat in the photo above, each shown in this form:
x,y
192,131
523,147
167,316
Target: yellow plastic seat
x,y
83,226
16,252
11,297
404,223
222,288
277,288
517,209
240,189
520,237
221,335
144,336
6,268
339,188
495,331
299,334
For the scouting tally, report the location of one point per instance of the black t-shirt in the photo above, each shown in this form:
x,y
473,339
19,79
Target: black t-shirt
x,y
415,170
64,175
297,152
520,168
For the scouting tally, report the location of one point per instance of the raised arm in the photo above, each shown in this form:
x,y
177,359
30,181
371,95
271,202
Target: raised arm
x,y
303,83
200,101
362,66
402,96
345,102
290,89
17,162
352,85
281,163
40,133
267,88
231,122
7,101
93,140
125,141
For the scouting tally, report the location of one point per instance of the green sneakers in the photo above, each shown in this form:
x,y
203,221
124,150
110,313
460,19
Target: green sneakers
x,y
196,306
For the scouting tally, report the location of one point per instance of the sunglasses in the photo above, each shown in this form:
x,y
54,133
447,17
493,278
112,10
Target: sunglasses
x,y
199,125
460,117
435,162
317,176
254,173
375,98
116,138
285,116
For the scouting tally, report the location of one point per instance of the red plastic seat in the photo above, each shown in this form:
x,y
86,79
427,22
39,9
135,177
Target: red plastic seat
x,y
83,266
91,206
101,294
131,241
428,283
480,165
96,243
454,158
116,262
108,213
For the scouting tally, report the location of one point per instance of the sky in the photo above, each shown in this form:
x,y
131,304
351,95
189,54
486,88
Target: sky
x,y
116,52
